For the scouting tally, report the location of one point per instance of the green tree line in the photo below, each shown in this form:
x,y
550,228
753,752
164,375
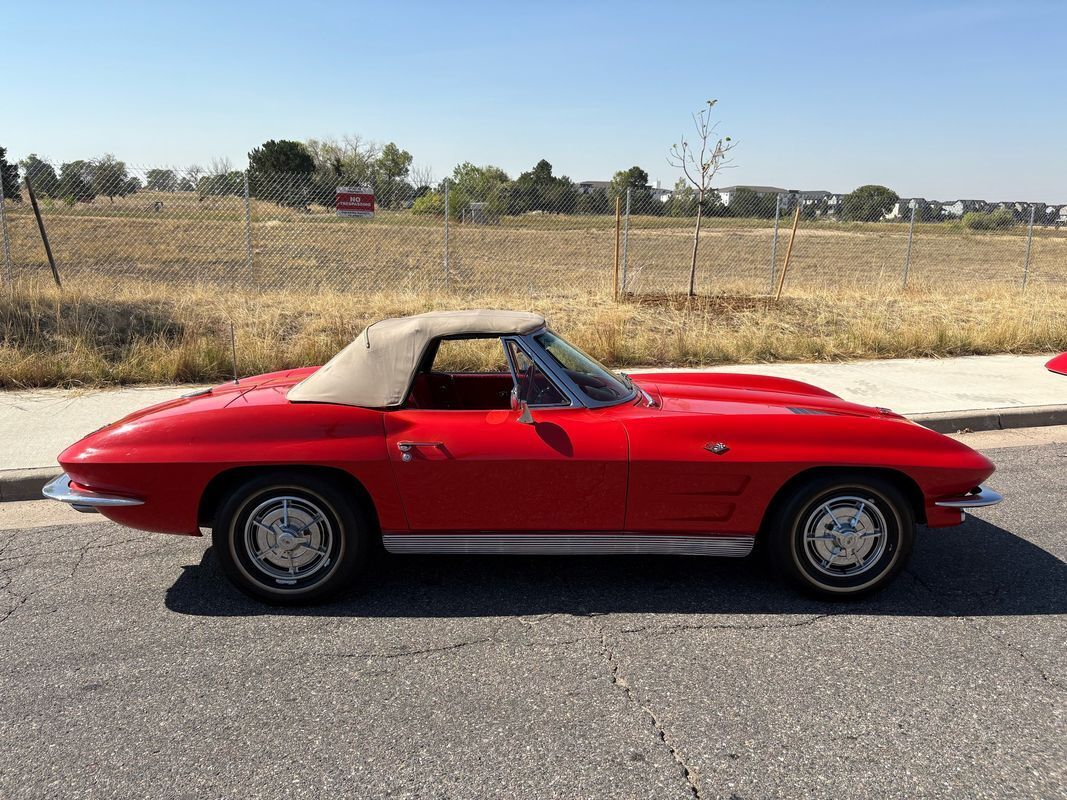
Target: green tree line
x,y
301,174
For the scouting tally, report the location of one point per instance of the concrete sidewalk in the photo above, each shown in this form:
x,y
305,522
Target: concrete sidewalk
x,y
976,393
930,385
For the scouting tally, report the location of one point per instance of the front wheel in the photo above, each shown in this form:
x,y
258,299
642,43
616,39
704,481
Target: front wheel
x,y
839,537
289,539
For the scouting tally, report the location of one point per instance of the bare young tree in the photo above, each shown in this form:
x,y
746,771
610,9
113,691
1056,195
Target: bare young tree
x,y
700,166
351,158
420,175
220,165
192,176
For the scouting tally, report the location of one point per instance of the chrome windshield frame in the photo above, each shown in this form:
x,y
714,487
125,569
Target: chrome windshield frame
x,y
558,374
538,357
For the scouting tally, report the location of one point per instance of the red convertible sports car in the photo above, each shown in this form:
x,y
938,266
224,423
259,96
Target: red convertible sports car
x,y
299,474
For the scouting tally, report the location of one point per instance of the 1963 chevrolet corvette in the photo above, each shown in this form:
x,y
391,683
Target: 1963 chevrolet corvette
x,y
300,473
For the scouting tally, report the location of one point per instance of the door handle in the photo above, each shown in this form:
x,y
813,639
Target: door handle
x,y
406,448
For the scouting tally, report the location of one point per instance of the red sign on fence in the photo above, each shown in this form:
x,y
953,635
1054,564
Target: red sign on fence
x,y
355,201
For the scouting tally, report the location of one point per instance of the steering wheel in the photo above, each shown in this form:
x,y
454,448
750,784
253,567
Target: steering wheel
x,y
535,389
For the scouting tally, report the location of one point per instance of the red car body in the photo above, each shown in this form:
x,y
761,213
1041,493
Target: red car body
x,y
1058,364
643,468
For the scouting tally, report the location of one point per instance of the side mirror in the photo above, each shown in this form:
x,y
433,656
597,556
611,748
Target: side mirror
x,y
525,417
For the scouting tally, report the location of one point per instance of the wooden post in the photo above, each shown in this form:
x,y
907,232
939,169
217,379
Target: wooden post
x,y
615,285
788,253
44,236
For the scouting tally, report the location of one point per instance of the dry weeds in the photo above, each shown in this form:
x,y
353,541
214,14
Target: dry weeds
x,y
120,332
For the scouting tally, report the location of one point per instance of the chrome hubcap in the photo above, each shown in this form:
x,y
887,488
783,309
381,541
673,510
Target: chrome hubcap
x,y
845,536
288,538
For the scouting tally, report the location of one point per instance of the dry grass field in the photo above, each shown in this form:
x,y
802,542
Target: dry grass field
x,y
148,295
121,331
192,243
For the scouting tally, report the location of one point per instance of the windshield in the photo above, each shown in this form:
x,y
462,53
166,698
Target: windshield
x,y
592,378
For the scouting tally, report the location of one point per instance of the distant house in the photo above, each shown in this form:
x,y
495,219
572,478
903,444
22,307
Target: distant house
x,y
588,187
835,201
902,208
957,208
656,189
726,193
789,196
659,193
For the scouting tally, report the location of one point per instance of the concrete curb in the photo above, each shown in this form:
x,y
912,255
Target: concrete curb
x,y
26,484
992,419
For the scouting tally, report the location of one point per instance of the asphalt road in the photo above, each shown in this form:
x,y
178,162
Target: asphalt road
x,y
129,668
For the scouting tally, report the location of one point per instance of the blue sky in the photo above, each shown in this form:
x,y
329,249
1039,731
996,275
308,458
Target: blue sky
x,y
943,100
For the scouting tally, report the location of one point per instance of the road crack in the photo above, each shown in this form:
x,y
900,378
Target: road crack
x,y
421,652
662,630
618,680
20,600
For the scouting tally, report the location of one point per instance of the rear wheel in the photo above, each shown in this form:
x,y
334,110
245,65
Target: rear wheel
x,y
290,539
839,537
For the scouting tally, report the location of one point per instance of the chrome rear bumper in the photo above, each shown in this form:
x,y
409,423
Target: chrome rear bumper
x,y
81,500
983,497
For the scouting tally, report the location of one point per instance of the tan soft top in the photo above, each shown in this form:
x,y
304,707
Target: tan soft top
x,y
376,369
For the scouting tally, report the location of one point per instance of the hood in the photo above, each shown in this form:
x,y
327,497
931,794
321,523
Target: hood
x,y
735,393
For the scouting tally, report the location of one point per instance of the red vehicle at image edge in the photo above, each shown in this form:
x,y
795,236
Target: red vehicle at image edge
x,y
300,473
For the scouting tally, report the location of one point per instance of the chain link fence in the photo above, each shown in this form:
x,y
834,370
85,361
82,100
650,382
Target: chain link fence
x,y
282,231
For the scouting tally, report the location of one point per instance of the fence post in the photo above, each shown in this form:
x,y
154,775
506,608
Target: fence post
x,y
911,233
248,230
626,241
774,244
615,282
1029,243
446,233
7,242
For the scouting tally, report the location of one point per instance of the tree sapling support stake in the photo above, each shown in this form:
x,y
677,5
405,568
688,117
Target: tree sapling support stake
x,y
44,236
788,254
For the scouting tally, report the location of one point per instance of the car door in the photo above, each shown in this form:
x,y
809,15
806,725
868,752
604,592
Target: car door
x,y
477,470
486,471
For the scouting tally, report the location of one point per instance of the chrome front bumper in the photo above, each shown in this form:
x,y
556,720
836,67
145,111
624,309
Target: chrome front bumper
x,y
983,497
81,500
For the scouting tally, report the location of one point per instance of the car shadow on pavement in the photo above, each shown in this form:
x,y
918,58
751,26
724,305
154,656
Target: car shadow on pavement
x,y
976,569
